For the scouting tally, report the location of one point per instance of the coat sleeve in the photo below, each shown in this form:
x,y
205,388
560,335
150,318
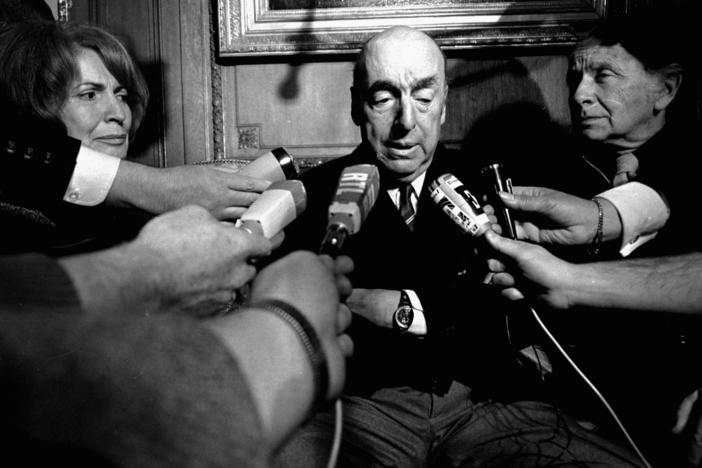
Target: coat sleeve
x,y
36,161
122,390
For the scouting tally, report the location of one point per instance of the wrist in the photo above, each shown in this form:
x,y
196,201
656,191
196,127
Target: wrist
x,y
310,342
272,360
596,241
134,187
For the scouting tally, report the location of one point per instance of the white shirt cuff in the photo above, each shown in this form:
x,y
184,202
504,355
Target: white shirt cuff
x,y
642,210
419,323
92,177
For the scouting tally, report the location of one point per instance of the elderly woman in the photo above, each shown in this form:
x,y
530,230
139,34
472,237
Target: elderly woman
x,y
82,80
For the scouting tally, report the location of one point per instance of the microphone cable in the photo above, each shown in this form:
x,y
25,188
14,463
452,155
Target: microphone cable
x,y
459,204
336,441
592,386
495,174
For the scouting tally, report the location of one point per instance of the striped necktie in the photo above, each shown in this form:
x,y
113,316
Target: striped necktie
x,y
406,209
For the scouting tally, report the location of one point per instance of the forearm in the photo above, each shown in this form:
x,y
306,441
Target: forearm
x,y
107,281
275,365
136,186
666,284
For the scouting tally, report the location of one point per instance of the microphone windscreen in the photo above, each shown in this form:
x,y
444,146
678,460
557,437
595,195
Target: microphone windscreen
x,y
275,166
355,195
277,206
459,204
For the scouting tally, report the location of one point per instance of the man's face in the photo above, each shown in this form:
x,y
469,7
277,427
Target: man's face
x,y
403,103
613,97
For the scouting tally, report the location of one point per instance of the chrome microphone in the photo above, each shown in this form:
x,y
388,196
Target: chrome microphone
x,y
459,204
496,182
277,206
355,195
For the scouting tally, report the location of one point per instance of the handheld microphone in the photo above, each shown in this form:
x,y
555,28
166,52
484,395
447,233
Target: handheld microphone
x,y
496,182
459,204
276,165
277,206
355,195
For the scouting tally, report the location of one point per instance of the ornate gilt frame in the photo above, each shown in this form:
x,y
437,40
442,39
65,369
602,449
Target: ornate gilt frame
x,y
252,28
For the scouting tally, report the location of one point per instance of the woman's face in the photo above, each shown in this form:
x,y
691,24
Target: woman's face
x,y
96,111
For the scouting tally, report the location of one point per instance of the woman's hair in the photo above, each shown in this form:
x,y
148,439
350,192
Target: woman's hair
x,y
652,35
39,62
12,11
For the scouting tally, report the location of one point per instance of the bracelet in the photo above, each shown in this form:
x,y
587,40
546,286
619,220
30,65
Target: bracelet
x,y
597,241
310,341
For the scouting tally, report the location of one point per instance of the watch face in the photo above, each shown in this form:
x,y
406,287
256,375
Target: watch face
x,y
403,317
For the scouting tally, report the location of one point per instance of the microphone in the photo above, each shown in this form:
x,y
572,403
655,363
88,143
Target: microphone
x,y
355,195
493,175
276,165
459,204
277,206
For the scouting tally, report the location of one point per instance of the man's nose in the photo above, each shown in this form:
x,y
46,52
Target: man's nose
x,y
405,118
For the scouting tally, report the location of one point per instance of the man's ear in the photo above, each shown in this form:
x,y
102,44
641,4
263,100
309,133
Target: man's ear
x,y
443,110
672,76
356,107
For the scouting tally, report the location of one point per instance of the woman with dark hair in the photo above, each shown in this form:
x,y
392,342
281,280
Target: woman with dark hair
x,y
71,98
78,79
78,76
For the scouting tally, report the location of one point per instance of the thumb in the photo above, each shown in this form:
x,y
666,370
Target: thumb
x,y
501,244
523,202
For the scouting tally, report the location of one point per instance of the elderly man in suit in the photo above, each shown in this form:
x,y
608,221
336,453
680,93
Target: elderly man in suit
x,y
431,377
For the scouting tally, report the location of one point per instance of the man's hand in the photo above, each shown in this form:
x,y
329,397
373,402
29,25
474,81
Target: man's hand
x,y
548,216
542,275
223,192
314,284
184,260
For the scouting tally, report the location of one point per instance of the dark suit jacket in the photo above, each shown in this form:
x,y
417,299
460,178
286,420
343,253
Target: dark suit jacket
x,y
80,389
623,353
466,336
37,160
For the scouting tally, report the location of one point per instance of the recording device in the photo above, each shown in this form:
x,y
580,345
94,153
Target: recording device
x,y
355,195
495,180
277,206
459,204
276,165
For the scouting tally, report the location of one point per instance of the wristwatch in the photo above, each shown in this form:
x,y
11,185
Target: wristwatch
x,y
404,314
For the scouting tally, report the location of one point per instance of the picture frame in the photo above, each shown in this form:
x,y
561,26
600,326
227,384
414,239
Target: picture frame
x,y
250,28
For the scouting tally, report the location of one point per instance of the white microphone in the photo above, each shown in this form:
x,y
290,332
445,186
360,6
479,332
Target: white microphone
x,y
355,195
277,206
276,165
459,204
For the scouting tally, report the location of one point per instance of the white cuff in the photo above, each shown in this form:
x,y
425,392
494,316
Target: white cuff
x,y
92,177
419,323
642,210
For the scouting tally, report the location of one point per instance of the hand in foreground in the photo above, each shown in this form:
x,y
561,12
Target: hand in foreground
x,y
223,192
689,421
314,284
184,260
548,216
541,274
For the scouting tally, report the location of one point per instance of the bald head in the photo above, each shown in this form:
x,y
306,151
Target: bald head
x,y
399,99
398,43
